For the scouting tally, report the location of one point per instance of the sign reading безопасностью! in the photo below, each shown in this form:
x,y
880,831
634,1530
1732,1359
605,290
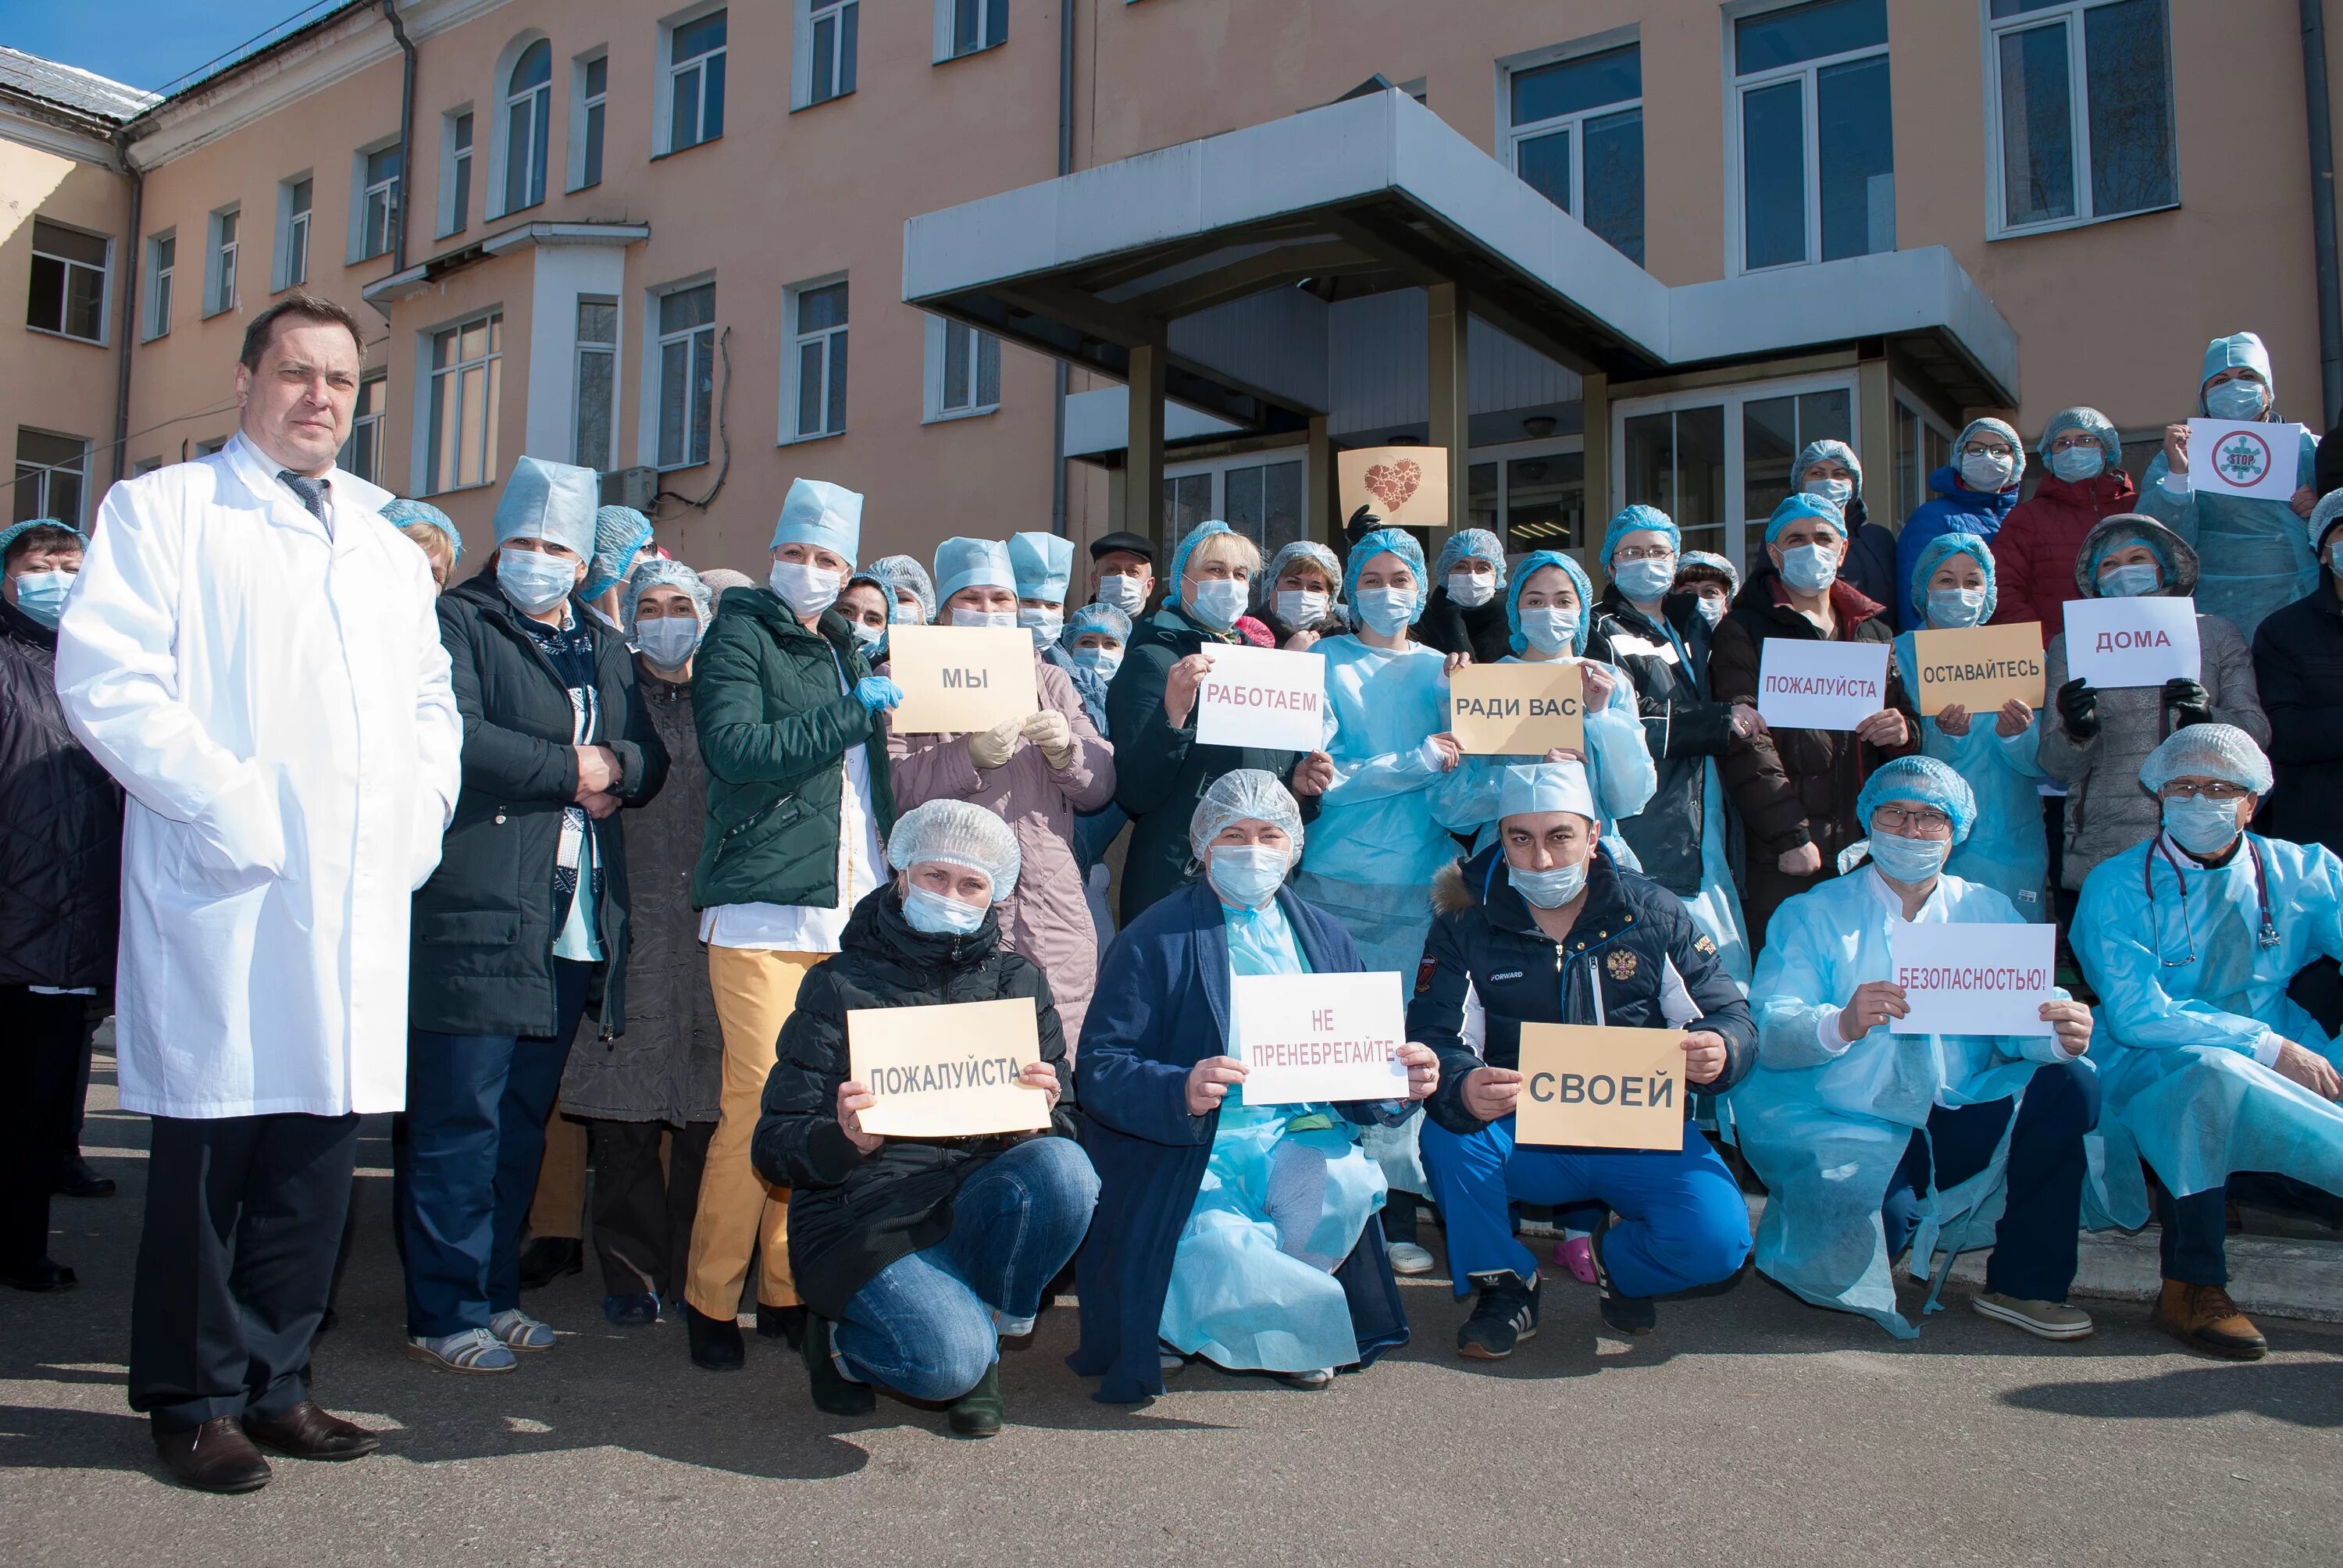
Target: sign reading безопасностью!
x,y
1973,978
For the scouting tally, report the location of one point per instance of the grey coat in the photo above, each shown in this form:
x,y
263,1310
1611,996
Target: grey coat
x,y
2106,809
669,1064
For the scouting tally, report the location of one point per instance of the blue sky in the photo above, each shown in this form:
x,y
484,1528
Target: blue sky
x,y
145,43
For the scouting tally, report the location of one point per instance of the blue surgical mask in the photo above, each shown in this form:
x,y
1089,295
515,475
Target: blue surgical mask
x,y
1989,472
1643,581
1216,601
2076,464
1810,568
1384,611
1909,860
938,916
1956,607
668,641
2137,580
1548,889
1472,589
1246,875
963,616
1124,591
41,594
2239,399
1550,631
534,581
1101,662
1837,492
2202,827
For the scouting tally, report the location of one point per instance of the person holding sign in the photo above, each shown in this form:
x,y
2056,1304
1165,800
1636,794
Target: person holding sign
x,y
1545,927
2260,559
1953,588
2192,939
919,1256
1037,773
1795,789
2093,740
1467,612
1232,1232
1868,1140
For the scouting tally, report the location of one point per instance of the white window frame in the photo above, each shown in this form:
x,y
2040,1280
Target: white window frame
x,y
104,285
1510,136
654,352
538,100
663,93
2079,107
991,29
583,108
1731,397
807,13
80,471
1738,85
294,232
1219,469
362,199
378,423
608,459
427,392
793,346
223,254
1504,455
162,286
935,342
456,166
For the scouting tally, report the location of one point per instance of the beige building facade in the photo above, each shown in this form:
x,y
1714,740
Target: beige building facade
x,y
1607,252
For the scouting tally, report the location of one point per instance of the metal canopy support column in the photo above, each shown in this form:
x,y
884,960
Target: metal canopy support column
x,y
1319,521
1142,496
1450,420
1595,404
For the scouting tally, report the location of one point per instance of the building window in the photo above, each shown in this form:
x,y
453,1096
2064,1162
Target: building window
x,y
1924,444
817,332
2081,110
1260,497
592,93
598,381
52,476
1718,461
827,45
687,371
220,287
362,453
456,202
378,209
1577,127
963,370
162,262
527,126
1531,494
966,26
466,361
211,448
695,80
68,291
1817,151
293,231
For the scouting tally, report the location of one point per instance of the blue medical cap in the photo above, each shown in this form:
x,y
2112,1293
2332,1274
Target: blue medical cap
x,y
621,533
1387,542
2238,351
963,562
1529,786
1634,519
1794,507
1103,618
820,513
10,535
399,512
1310,550
1925,780
2091,420
1532,564
552,501
1044,563
1933,555
1837,452
898,573
1468,545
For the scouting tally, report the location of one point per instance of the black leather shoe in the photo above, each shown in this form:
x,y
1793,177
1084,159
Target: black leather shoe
x,y
214,1457
781,1323
308,1431
832,1391
546,1257
978,1412
715,1342
77,1180
48,1274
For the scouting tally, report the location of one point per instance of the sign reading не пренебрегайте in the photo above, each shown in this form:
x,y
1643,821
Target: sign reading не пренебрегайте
x,y
1318,1039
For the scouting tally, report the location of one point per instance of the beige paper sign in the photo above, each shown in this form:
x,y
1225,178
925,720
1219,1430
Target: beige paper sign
x,y
947,1071
959,678
1589,1088
1980,668
1406,486
1517,710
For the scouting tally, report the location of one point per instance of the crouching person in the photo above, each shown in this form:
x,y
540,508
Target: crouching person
x,y
1867,1140
916,1255
1543,927
1231,1231
2191,940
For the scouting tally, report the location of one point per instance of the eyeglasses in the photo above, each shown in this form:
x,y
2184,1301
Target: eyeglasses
x,y
1642,553
2216,791
1992,448
2072,439
1931,822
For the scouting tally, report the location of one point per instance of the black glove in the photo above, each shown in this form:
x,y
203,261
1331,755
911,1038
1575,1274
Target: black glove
x,y
2187,702
1363,523
2078,710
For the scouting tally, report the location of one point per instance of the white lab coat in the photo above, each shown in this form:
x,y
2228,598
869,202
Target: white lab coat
x,y
275,698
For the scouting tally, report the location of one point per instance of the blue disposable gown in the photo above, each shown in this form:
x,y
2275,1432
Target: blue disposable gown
x,y
1618,768
2188,991
2007,851
1827,1127
2256,554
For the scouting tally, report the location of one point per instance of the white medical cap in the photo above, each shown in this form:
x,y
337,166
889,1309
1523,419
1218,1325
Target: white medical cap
x,y
1240,794
2220,751
1546,787
958,833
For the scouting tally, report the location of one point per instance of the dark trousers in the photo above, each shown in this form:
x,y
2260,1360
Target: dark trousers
x,y
2193,1235
2033,1247
243,1213
476,1111
643,1206
48,1044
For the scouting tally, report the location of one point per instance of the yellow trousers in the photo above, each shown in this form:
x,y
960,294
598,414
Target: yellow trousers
x,y
737,1212
560,1209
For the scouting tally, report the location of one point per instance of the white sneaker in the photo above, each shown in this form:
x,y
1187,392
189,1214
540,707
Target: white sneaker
x,y
2050,1320
1407,1258
1312,1381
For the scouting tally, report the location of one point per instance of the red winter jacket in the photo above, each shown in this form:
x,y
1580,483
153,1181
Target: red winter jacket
x,y
2033,554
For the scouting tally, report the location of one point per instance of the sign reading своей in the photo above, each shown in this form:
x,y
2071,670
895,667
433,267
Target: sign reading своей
x,y
1804,685
2114,642
1597,1087
948,1071
1318,1039
1971,978
2255,459
958,679
1980,668
1517,710
1260,697
1406,486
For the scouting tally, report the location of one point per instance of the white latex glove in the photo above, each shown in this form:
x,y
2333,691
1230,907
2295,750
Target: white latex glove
x,y
991,748
1049,731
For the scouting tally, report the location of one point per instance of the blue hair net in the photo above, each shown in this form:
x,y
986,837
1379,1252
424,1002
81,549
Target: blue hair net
x,y
1799,505
821,514
2207,751
1103,618
656,573
1991,427
620,535
2129,528
553,501
1044,564
963,562
1264,587
1921,778
10,535
897,573
1195,537
1837,452
2091,420
1532,787
1634,519
1531,565
1468,545
399,512
2238,351
1933,555
1715,562
1387,542
2323,517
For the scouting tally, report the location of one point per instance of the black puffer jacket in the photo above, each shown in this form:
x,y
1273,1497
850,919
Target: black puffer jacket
x,y
2298,666
850,1213
1481,631
1682,726
60,826
1633,960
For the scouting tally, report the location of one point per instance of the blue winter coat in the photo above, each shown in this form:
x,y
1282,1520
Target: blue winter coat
x,y
1954,510
1161,1007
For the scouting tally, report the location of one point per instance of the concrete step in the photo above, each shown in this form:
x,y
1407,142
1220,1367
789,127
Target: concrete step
x,y
2269,1276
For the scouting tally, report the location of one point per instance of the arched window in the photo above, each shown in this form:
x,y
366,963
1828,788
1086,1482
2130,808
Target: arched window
x,y
529,119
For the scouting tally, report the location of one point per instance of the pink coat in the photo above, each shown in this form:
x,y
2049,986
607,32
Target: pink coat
x,y
1046,920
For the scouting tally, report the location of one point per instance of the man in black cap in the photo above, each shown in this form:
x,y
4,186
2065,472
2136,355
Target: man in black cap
x,y
1122,571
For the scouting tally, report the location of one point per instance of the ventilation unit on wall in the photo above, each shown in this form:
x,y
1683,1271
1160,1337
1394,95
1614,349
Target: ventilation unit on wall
x,y
636,487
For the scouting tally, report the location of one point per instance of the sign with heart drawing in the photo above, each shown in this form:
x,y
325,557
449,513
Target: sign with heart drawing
x,y
1405,486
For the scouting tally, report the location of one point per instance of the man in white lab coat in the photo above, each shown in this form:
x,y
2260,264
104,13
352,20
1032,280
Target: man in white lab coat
x,y
254,653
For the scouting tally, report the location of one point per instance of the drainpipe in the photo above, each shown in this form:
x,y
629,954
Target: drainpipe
x,y
2322,209
1065,167
405,135
131,267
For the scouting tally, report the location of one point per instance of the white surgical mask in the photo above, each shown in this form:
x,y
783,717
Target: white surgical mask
x,y
907,614
2201,826
1712,610
1472,589
1835,491
1959,607
1300,608
806,588
41,594
1384,610
1810,568
1988,471
1101,662
1125,592
1645,580
1048,622
2076,464
2239,399
1246,875
1550,631
2136,580
534,581
1217,602
867,635
1548,889
963,616
937,916
668,641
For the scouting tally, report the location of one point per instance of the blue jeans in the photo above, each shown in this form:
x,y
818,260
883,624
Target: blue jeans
x,y
1683,1223
924,1324
476,1111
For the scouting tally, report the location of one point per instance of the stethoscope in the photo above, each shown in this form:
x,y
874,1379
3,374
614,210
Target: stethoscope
x,y
2148,880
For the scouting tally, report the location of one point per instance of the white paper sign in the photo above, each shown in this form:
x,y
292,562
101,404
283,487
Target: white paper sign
x,y
1318,1037
1973,978
1805,685
1261,697
2115,642
2257,460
